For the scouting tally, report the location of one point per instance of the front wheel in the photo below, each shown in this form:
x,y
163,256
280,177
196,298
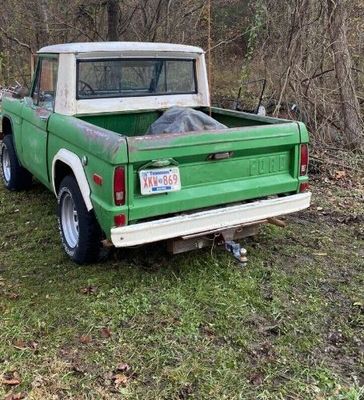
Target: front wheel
x,y
80,233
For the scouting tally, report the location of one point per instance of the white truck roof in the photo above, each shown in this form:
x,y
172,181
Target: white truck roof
x,y
89,47
66,101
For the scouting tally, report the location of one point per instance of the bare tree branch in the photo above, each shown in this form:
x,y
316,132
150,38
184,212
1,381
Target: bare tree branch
x,y
16,40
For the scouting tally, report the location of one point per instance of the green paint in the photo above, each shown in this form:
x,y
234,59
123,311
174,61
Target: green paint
x,y
127,124
264,160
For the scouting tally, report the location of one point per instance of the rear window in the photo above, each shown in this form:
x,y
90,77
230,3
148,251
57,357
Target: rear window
x,y
134,77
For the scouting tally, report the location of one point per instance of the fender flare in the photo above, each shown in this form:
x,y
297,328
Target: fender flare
x,y
74,162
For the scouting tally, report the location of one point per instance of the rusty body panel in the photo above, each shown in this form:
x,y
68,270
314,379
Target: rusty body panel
x,y
91,139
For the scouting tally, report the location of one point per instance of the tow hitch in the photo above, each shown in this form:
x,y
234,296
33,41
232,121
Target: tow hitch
x,y
225,239
239,253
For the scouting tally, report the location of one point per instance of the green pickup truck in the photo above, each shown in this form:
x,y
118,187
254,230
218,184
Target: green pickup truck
x,y
84,132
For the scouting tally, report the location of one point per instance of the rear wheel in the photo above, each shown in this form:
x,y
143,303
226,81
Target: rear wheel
x,y
80,233
15,177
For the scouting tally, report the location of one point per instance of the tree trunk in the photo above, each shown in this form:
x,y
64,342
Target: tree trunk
x,y
112,20
44,8
352,124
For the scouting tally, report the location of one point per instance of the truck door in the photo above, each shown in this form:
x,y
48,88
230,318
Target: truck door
x,y
36,113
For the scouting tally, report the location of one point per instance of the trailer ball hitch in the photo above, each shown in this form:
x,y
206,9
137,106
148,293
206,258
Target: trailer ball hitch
x,y
239,253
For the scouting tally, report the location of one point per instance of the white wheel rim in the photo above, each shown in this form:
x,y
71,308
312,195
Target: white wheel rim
x,y
69,220
6,164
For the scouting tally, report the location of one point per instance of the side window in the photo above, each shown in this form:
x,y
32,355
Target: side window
x,y
45,84
35,91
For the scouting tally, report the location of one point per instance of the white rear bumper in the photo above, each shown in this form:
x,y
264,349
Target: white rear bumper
x,y
204,221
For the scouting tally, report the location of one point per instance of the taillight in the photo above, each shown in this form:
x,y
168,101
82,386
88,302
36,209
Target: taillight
x,y
119,186
304,187
304,159
119,220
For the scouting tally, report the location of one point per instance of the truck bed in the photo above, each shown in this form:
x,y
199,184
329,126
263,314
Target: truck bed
x,y
137,123
262,158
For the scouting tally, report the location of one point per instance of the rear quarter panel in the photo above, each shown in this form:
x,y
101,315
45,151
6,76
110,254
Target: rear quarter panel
x,y
102,150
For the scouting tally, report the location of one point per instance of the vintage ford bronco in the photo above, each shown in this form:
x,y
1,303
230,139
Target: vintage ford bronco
x,y
84,133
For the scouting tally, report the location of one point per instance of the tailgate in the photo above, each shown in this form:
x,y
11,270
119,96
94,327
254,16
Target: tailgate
x,y
262,161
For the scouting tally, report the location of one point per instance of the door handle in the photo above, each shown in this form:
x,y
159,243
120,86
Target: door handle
x,y
43,117
220,156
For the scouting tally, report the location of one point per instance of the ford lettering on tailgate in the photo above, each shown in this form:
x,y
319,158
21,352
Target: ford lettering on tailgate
x,y
269,165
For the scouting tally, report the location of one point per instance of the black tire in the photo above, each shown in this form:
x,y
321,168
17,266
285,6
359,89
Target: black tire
x,y
86,246
14,176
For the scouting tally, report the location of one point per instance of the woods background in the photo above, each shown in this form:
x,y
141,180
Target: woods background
x,y
309,51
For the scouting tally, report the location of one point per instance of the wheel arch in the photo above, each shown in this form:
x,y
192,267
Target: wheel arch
x,y
67,163
6,127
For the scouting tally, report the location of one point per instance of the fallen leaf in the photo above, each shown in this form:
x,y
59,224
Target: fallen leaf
x,y
85,339
340,174
105,332
16,396
32,344
89,289
13,296
20,344
11,382
120,380
11,378
123,367
38,382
